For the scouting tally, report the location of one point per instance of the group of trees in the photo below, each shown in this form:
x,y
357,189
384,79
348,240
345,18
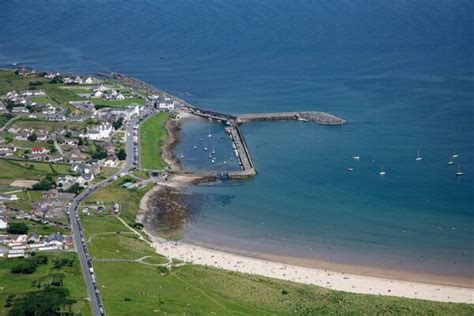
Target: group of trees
x,y
118,123
75,188
48,302
99,153
46,183
59,263
17,228
28,265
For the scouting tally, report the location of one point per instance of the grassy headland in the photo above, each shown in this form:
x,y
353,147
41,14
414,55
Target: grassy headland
x,y
152,137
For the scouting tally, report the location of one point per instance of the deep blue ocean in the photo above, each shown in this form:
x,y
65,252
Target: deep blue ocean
x,y
401,73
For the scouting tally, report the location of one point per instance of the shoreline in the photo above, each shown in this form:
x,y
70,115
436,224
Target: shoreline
x,y
341,277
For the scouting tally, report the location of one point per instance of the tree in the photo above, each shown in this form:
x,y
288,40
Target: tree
x,y
50,301
57,79
33,137
46,183
75,188
17,228
118,123
122,154
99,153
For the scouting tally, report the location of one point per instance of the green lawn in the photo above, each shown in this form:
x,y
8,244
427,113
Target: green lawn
x,y
125,245
118,103
130,288
43,100
152,137
104,174
13,170
10,81
40,228
49,125
128,199
17,284
4,119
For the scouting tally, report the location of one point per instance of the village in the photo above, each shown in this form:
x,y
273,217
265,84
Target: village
x,y
65,133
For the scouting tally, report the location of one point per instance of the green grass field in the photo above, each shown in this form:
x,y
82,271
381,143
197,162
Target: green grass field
x,y
14,170
10,81
42,229
125,245
128,199
118,103
17,284
130,288
152,137
49,125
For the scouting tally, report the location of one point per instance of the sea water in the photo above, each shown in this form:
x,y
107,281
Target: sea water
x,y
400,72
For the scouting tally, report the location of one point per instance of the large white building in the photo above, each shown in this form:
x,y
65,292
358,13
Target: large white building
x,y
3,223
103,131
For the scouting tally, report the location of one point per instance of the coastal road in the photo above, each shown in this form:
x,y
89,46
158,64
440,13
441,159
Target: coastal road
x,y
77,230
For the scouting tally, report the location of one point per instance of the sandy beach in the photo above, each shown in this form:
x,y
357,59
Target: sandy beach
x,y
341,281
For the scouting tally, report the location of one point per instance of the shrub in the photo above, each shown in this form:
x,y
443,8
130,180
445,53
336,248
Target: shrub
x,y
17,228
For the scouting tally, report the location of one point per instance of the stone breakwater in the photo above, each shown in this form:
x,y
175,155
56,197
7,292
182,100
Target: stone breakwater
x,y
316,117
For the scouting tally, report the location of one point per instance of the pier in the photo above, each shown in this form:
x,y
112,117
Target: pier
x,y
241,150
322,118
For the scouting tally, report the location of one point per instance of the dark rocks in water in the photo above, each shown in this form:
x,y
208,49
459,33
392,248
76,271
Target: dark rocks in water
x,y
170,209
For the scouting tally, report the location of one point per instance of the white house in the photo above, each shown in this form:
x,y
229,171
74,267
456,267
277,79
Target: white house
x,y
3,223
11,197
103,131
166,106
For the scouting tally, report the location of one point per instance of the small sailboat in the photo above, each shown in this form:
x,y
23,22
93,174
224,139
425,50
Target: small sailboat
x,y
194,147
213,151
209,134
382,172
213,161
205,147
459,173
418,157
356,157
210,156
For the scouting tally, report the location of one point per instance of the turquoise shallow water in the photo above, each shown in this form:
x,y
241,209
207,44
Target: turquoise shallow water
x,y
401,73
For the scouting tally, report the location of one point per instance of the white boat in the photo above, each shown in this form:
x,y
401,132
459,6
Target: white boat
x,y
382,173
213,151
418,157
459,173
209,134
356,157
350,169
181,156
205,147
213,161
450,162
455,156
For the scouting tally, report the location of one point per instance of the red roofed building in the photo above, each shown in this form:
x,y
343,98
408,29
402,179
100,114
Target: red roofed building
x,y
38,150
